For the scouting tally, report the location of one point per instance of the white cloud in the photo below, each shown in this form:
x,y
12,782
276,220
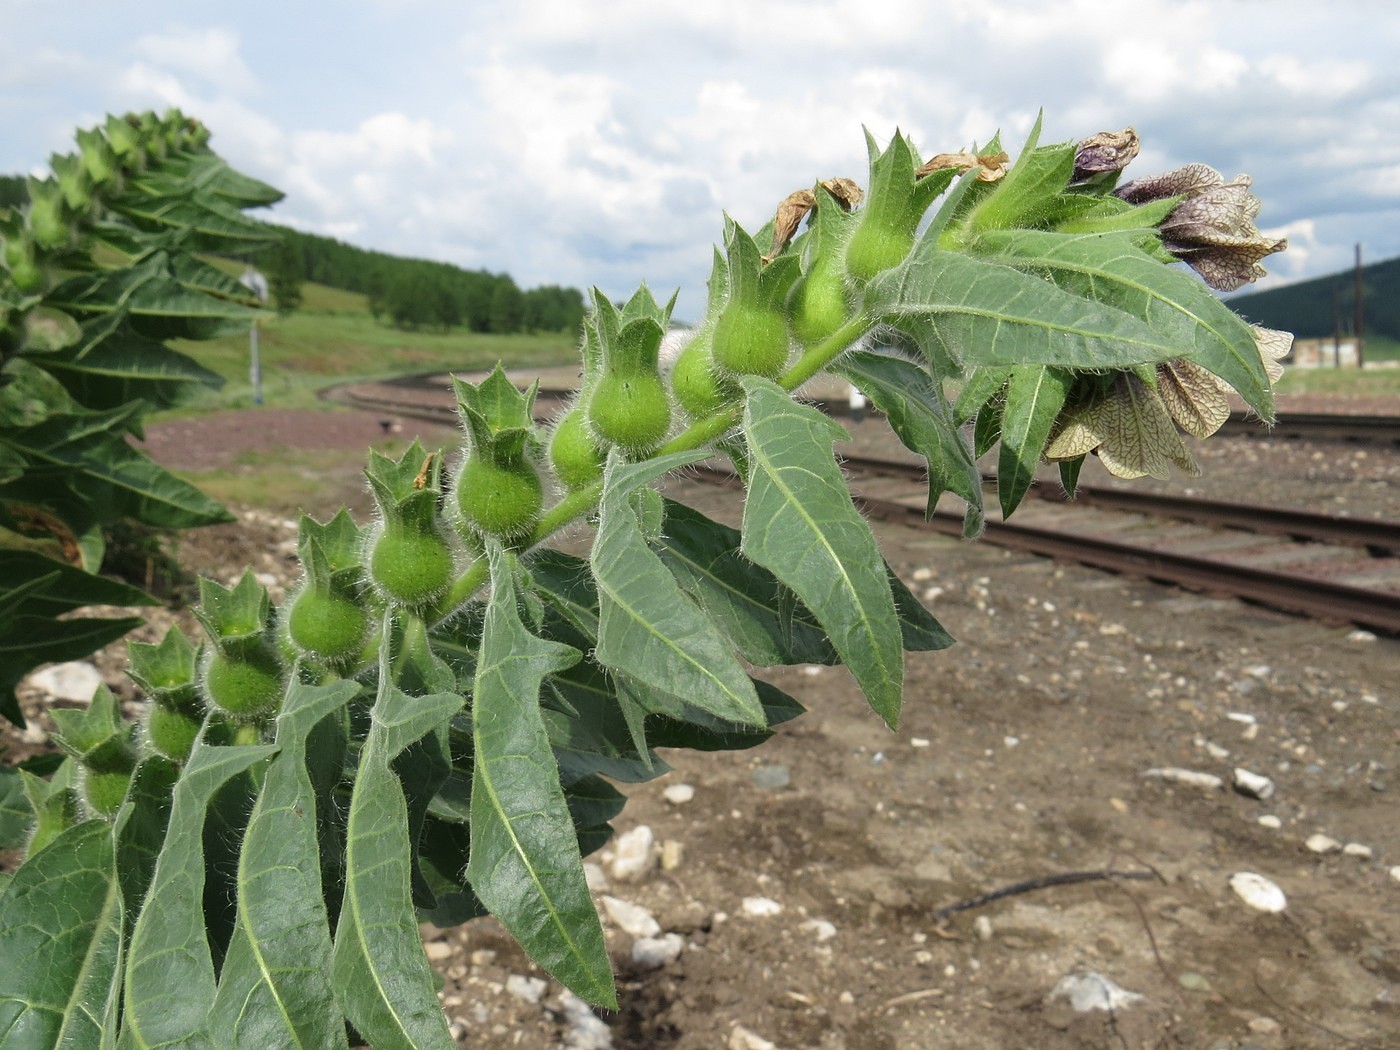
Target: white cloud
x,y
213,55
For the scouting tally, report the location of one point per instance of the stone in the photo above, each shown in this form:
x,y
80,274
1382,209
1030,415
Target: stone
x,y
1187,778
1265,1026
595,876
1258,892
1321,843
983,928
761,907
1270,821
635,855
771,778
743,1039
652,953
586,1031
823,930
439,951
1255,785
75,681
1395,873
1093,991
672,855
678,794
631,919
1357,849
525,988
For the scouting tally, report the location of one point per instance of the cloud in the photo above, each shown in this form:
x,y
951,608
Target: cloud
x,y
213,55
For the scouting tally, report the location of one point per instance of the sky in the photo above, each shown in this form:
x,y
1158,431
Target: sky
x,y
589,143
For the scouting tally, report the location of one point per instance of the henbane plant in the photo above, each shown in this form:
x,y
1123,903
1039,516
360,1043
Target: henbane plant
x,y
432,727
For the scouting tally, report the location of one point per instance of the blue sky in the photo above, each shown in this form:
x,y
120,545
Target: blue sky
x,y
580,142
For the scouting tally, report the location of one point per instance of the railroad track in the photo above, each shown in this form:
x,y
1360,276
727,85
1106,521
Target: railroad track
x,y
1335,569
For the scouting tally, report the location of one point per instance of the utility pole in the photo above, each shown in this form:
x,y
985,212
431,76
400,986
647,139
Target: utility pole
x,y
1359,322
257,284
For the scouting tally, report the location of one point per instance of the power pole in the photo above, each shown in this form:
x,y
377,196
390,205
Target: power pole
x,y
1360,308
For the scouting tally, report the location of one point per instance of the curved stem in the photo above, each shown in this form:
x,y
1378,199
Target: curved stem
x,y
699,434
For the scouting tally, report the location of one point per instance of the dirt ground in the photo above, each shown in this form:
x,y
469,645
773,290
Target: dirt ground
x,y
802,877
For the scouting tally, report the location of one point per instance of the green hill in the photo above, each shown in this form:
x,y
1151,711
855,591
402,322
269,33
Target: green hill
x,y
1308,308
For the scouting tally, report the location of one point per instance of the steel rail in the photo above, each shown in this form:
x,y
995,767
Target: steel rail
x,y
1376,534
1317,598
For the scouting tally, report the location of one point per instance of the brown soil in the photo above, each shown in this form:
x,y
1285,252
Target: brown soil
x,y
1021,754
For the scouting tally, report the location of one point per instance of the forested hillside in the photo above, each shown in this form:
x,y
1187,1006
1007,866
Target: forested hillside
x,y
1311,309
418,293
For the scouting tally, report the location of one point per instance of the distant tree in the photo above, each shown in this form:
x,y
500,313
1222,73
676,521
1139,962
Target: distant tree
x,y
12,191
507,306
286,271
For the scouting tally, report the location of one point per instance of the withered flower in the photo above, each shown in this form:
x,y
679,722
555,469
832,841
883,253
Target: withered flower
x,y
991,167
1108,151
1212,229
797,204
1135,429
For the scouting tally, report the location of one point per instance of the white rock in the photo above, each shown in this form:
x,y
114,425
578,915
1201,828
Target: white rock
x,y
983,926
1258,892
652,953
1357,849
679,794
595,876
1254,785
1216,751
1321,843
587,1031
1361,636
75,681
1395,873
743,1039
823,929
635,856
672,854
919,741
923,575
526,988
1094,991
439,951
1187,777
632,919
761,907
1271,822
1241,717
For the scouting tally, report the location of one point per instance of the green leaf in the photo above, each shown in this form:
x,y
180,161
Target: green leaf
x,y
274,988
921,418
91,445
68,588
60,937
16,815
800,524
381,976
525,862
756,613
148,289
1034,397
981,312
648,628
1113,270
141,827
115,364
170,969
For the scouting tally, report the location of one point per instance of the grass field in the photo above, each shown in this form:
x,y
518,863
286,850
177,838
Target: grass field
x,y
333,338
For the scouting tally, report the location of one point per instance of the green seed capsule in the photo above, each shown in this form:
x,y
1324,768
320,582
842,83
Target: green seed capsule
x,y
694,382
630,411
573,453
874,248
751,340
243,689
105,792
327,627
499,499
410,567
171,733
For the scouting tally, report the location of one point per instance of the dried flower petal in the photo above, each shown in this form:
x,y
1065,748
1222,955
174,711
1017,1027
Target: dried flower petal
x,y
1107,151
1195,397
1212,229
1274,346
847,193
991,166
791,212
